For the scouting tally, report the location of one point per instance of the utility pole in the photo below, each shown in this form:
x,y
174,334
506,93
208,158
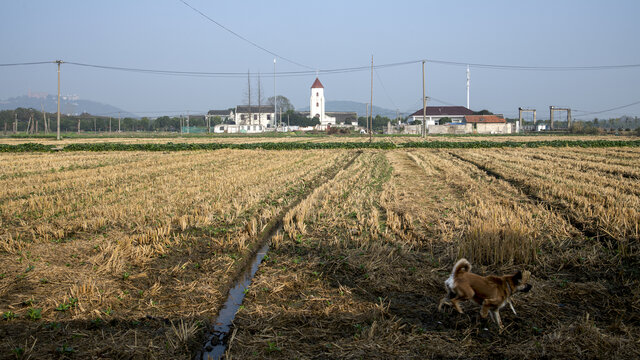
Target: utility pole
x,y
424,105
29,126
44,118
275,97
259,100
249,97
119,121
520,111
109,124
15,123
58,126
187,122
371,104
366,112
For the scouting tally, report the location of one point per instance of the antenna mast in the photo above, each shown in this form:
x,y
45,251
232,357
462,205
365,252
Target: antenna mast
x,y
468,78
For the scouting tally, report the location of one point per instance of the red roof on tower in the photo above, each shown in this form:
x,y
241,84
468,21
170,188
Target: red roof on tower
x,y
317,84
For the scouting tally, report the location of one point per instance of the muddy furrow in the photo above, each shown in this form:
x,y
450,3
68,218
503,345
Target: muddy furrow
x,y
219,336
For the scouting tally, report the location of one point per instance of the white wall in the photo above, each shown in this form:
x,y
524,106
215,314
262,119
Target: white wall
x,y
264,119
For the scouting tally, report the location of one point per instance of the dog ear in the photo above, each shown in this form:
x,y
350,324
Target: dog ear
x,y
517,277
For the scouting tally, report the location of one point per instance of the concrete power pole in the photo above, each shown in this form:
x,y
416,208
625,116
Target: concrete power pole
x,y
275,98
44,118
555,108
371,104
520,111
424,106
58,118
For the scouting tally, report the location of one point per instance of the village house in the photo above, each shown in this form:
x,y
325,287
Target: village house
x,y
476,124
224,115
263,115
435,113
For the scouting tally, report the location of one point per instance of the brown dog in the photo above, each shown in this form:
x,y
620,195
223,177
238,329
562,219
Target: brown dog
x,y
491,292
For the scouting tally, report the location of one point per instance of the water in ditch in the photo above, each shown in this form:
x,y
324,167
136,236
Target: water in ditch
x,y
219,336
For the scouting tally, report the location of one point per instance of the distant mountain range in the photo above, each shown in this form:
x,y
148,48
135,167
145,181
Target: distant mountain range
x,y
358,107
75,106
68,105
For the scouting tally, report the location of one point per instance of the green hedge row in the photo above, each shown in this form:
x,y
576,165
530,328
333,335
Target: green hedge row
x,y
29,147
522,144
32,147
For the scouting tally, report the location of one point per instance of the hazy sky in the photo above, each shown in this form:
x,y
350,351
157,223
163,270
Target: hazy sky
x,y
168,35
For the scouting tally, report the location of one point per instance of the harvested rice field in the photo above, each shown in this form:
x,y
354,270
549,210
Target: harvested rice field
x,y
132,254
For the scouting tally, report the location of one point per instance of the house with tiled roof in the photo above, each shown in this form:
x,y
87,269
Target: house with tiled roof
x,y
435,113
484,119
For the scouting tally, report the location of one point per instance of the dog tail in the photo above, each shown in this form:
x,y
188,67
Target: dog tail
x,y
460,266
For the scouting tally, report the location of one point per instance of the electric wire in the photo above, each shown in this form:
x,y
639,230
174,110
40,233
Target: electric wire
x,y
244,38
337,70
608,110
385,90
29,63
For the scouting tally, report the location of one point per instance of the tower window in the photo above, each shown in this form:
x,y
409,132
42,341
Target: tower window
x,y
317,94
317,104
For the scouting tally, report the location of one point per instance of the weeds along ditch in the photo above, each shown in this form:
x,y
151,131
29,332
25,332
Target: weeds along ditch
x,y
132,254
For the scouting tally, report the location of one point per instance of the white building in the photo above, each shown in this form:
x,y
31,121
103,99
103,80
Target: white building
x,y
263,115
435,113
316,105
224,115
238,129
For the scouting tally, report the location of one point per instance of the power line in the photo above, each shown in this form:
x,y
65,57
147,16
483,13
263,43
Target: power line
x,y
29,63
385,90
337,70
608,110
243,38
534,68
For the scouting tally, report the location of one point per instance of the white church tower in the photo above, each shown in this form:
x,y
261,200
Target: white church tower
x,y
316,105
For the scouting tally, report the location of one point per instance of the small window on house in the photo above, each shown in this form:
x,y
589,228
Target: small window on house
x,y
255,117
242,117
268,116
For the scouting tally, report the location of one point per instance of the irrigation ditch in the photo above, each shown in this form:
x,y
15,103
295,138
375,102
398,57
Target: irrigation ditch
x,y
222,332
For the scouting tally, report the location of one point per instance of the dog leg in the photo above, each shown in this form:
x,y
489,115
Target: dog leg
x,y
511,306
455,304
443,301
484,311
491,316
496,314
